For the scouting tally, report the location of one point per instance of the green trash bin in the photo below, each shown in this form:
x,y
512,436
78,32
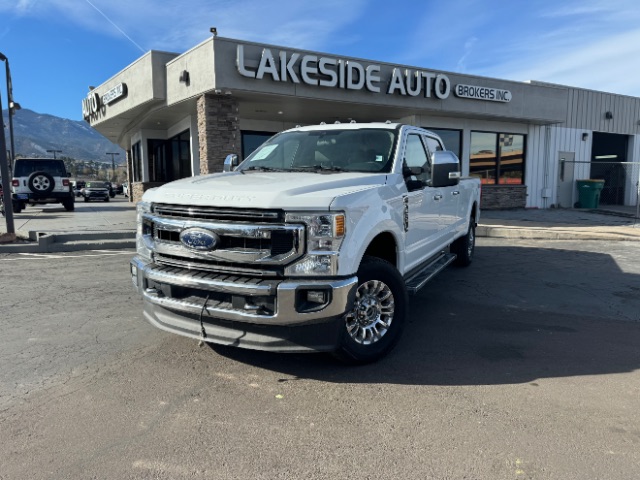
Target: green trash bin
x,y
589,193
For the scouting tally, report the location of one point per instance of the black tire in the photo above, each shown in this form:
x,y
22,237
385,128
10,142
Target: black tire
x,y
16,207
464,247
106,199
381,301
86,199
41,182
69,205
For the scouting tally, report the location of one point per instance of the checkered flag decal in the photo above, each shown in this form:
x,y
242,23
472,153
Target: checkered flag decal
x,y
506,140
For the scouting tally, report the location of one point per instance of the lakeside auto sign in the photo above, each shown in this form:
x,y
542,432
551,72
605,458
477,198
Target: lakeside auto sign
x,y
330,72
93,104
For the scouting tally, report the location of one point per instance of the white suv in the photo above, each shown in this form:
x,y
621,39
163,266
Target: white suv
x,y
40,180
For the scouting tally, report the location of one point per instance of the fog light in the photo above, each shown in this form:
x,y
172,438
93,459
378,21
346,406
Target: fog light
x,y
317,296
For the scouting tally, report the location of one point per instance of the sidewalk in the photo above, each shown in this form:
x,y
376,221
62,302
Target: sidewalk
x,y
617,223
92,226
95,226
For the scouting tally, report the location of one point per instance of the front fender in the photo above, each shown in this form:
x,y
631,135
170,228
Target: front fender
x,y
368,214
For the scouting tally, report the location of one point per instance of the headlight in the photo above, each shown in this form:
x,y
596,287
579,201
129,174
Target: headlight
x,y
325,232
143,230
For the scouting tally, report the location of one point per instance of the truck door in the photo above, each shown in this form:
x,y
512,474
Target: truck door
x,y
449,203
421,207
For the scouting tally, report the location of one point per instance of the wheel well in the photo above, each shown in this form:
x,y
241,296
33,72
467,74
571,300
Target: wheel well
x,y
384,247
474,211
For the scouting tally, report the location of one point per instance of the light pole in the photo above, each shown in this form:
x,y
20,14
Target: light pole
x,y
54,152
113,165
4,173
13,106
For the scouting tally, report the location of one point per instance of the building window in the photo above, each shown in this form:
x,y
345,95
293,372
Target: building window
x,y
252,140
452,139
497,158
180,156
170,159
136,162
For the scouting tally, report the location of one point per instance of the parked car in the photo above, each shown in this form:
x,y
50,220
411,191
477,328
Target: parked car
x,y
112,192
40,181
77,186
96,191
117,188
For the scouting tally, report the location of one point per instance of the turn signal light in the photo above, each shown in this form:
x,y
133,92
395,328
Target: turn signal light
x,y
339,231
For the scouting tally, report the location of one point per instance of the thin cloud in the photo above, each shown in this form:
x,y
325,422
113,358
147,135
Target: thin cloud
x,y
172,25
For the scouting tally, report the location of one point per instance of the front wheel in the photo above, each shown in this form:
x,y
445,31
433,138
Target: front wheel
x,y
373,326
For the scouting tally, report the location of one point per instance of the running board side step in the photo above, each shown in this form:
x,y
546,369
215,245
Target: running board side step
x,y
419,279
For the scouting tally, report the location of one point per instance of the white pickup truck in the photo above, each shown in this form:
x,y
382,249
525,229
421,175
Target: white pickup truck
x,y
312,243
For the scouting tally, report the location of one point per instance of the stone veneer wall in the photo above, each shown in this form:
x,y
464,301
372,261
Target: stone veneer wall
x,y
218,131
138,188
500,197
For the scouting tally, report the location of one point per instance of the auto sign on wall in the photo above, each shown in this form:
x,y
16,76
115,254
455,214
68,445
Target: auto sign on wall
x,y
94,104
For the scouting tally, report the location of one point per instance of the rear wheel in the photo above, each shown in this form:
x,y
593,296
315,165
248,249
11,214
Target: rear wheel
x,y
374,325
69,205
17,207
86,199
106,199
464,247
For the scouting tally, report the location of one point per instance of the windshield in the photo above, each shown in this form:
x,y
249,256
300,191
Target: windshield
x,y
364,150
96,185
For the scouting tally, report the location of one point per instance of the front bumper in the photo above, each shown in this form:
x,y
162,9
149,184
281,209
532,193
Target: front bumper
x,y
240,323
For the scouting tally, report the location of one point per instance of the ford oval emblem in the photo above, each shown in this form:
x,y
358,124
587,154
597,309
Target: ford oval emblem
x,y
199,239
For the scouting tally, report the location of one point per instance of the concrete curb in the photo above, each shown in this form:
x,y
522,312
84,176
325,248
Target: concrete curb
x,y
71,242
490,231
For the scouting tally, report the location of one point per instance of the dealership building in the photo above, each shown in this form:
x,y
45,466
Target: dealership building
x,y
179,115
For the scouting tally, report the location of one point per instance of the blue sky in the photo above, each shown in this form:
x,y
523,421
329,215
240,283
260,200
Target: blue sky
x,y
57,48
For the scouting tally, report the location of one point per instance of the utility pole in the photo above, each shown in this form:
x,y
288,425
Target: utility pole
x,y
13,107
113,165
4,173
54,152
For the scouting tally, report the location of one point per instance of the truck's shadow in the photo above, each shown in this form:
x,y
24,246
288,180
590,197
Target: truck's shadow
x,y
516,315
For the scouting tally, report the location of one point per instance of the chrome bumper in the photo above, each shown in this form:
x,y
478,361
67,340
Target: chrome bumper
x,y
285,314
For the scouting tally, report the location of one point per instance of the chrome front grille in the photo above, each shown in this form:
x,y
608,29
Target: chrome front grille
x,y
254,244
191,212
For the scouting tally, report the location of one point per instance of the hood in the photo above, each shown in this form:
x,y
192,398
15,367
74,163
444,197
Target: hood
x,y
264,189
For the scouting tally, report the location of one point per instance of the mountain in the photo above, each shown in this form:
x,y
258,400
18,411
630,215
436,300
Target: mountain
x,y
35,133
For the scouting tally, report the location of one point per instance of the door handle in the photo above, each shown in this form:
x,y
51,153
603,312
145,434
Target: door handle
x,y
455,192
437,197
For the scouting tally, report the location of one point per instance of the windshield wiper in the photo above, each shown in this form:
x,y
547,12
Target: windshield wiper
x,y
319,168
262,169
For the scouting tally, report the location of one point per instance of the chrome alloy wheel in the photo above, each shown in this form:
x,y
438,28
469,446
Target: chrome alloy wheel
x,y
372,313
41,183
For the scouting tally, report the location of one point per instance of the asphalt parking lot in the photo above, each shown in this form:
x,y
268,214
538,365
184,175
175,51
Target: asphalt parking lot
x,y
523,366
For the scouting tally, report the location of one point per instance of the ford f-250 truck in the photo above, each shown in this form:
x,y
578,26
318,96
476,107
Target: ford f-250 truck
x,y
311,243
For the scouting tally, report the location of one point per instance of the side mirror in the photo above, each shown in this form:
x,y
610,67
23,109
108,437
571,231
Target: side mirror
x,y
230,163
445,170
